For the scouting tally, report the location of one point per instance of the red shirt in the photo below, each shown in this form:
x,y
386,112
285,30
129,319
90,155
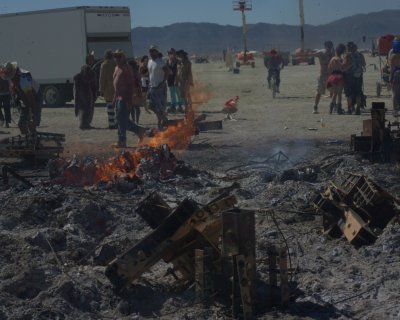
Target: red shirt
x,y
123,83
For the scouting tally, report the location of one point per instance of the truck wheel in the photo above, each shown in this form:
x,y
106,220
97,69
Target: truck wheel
x,y
52,96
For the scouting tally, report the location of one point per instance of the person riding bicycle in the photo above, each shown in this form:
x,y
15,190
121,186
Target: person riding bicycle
x,y
274,63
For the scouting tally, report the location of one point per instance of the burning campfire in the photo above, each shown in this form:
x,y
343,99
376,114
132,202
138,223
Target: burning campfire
x,y
147,161
153,159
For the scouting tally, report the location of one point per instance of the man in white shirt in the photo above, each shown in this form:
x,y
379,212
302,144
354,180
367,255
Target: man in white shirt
x,y
158,74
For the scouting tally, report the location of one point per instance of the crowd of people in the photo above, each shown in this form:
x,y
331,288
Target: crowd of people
x,y
341,70
127,85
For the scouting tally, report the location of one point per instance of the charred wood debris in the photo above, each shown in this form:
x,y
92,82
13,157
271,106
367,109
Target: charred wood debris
x,y
212,247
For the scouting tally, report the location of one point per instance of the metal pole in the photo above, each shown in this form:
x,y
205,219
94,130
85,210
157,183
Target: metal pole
x,y
301,9
244,36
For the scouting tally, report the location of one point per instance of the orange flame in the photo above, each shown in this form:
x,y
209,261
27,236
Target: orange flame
x,y
127,163
178,137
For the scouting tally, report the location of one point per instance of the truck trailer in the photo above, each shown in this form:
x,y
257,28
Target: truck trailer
x,y
53,44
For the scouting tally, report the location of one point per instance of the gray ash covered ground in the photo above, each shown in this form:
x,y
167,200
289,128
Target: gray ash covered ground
x,y
52,261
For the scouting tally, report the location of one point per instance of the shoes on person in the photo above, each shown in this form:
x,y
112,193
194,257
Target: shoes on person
x,y
277,90
112,127
88,127
315,110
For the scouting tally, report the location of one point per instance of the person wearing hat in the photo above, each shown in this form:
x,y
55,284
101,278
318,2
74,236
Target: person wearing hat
x,y
158,74
184,80
84,96
106,87
274,63
24,88
172,64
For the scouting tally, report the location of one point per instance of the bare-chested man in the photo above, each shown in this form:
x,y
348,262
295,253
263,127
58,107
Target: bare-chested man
x,y
324,57
394,61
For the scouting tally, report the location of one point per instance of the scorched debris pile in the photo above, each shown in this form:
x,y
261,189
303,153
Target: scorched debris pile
x,y
213,246
157,162
358,208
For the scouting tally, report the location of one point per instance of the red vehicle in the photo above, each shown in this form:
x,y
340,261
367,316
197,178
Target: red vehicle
x,y
385,44
245,59
303,56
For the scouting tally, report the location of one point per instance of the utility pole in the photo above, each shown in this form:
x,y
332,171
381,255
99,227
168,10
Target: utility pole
x,y
242,6
301,10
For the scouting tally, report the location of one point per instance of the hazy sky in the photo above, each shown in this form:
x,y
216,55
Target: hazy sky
x,y
163,12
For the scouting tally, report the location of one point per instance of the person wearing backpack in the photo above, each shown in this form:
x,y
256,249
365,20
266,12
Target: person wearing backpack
x,y
354,67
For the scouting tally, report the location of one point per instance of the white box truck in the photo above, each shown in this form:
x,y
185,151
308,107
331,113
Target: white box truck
x,y
53,44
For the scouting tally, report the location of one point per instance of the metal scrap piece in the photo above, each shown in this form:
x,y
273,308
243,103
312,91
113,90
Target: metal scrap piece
x,y
179,233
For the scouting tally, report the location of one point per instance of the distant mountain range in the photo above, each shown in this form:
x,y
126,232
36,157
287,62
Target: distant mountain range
x,y
210,38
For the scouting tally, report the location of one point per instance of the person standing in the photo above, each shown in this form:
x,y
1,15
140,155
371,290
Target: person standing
x,y
23,88
84,97
144,80
5,103
353,65
335,81
324,57
137,92
90,61
106,86
394,64
123,93
172,64
158,74
184,80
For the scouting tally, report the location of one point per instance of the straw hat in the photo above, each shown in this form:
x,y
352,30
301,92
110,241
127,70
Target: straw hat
x,y
119,53
8,70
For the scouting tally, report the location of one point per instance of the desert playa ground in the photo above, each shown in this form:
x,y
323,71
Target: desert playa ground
x,y
331,278
262,123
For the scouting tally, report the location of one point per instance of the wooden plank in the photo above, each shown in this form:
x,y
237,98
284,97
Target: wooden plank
x,y
153,209
244,279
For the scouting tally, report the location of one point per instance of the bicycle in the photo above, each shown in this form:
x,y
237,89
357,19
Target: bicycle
x,y
273,82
